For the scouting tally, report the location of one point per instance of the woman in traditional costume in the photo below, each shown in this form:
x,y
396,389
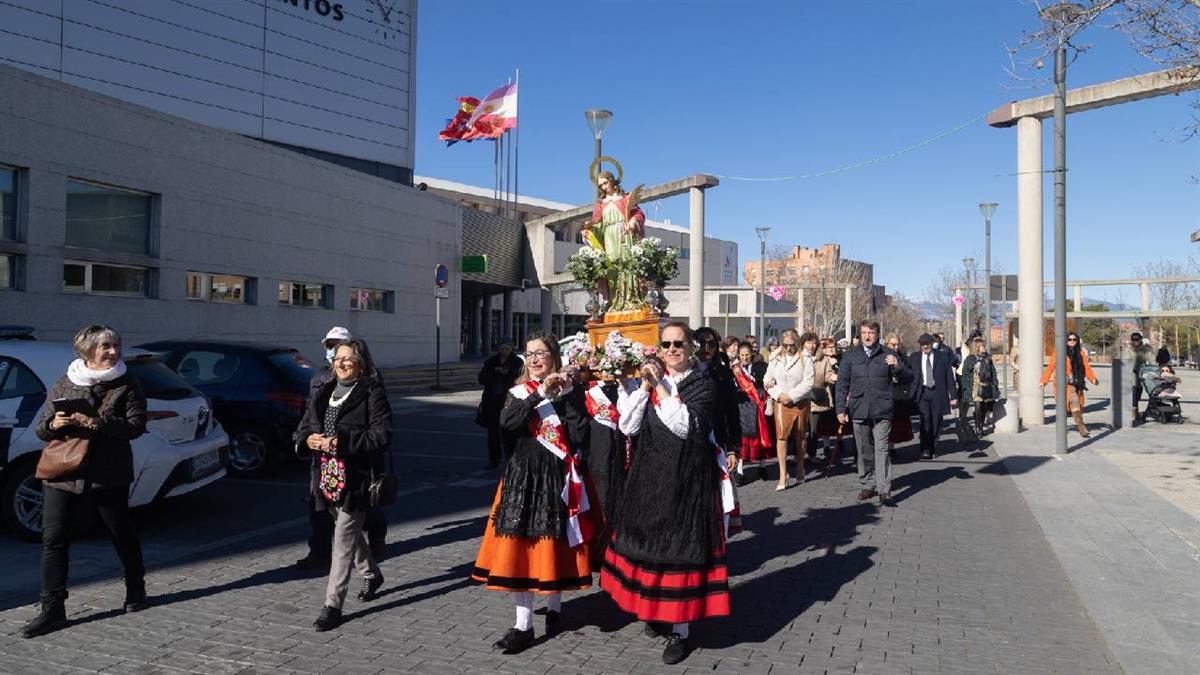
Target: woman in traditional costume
x,y
535,540
752,401
666,561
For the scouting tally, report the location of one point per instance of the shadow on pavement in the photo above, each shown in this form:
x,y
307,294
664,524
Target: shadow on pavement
x,y
1014,465
904,487
460,573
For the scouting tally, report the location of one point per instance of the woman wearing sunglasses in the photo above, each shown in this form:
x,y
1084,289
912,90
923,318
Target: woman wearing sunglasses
x,y
535,540
666,562
790,379
1079,373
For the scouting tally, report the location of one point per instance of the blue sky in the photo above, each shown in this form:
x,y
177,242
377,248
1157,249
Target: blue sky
x,y
770,89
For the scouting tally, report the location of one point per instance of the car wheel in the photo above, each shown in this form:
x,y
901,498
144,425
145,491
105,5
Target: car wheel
x,y
22,502
251,452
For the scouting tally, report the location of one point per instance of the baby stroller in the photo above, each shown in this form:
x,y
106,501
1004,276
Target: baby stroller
x,y
1160,408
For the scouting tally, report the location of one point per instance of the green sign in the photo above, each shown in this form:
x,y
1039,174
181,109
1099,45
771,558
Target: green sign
x,y
473,264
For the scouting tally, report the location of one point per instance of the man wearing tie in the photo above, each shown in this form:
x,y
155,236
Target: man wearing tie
x,y
932,390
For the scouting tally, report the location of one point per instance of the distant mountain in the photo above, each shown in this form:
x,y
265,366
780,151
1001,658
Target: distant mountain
x,y
1112,306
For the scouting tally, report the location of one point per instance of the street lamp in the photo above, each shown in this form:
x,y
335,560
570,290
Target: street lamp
x,y
597,120
1062,17
968,265
988,209
762,280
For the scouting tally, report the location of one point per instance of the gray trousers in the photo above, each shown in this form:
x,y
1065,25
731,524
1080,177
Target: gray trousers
x,y
350,549
872,437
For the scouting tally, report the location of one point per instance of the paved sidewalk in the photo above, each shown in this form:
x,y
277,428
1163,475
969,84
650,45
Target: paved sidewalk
x,y
1132,555
957,579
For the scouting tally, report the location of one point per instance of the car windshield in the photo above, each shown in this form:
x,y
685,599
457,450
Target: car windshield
x,y
159,381
293,366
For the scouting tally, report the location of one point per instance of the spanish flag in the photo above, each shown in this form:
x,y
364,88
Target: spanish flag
x,y
495,115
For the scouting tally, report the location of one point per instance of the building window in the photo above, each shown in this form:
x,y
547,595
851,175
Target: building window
x,y
8,271
104,279
219,288
108,218
298,294
8,203
685,253
370,300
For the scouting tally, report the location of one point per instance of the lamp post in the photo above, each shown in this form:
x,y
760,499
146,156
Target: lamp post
x,y
1062,17
968,263
762,281
598,120
988,209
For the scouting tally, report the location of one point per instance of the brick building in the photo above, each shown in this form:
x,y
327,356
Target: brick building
x,y
817,266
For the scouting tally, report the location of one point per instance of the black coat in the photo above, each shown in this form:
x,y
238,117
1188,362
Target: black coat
x,y
944,388
864,385
497,377
985,370
364,435
531,504
605,457
121,407
726,420
669,510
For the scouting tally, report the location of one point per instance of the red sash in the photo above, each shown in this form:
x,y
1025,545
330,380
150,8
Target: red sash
x,y
547,428
746,384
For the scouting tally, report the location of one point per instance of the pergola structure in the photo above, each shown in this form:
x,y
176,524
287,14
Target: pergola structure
x,y
1027,117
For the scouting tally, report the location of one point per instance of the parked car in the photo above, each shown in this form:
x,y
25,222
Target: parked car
x,y
182,450
258,394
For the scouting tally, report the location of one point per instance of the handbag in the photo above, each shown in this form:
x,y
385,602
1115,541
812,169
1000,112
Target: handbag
x,y
61,457
383,485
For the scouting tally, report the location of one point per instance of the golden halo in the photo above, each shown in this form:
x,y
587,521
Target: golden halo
x,y
594,169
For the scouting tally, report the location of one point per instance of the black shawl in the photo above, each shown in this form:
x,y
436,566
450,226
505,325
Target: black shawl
x,y
669,510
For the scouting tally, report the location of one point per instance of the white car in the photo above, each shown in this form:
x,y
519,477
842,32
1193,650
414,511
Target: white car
x,y
184,447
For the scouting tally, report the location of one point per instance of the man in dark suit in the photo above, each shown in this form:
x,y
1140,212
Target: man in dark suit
x,y
864,395
932,390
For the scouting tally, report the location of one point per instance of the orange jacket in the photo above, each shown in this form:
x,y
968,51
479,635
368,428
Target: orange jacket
x,y
1048,375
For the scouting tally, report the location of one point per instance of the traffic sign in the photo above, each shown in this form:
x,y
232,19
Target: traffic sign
x,y
441,292
441,276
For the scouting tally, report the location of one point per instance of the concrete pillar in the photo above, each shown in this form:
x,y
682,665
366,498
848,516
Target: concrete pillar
x,y
800,310
958,321
476,327
487,324
1030,275
506,317
1079,298
696,261
547,310
1145,297
850,314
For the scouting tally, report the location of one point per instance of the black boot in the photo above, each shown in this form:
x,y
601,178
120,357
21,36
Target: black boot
x,y
53,615
135,595
330,618
370,588
553,623
515,641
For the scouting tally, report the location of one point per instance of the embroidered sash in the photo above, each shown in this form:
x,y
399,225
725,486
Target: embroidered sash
x,y
600,408
547,428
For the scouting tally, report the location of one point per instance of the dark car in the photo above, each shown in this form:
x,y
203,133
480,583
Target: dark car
x,y
258,394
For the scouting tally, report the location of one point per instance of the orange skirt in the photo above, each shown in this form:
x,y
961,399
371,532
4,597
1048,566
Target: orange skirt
x,y
542,565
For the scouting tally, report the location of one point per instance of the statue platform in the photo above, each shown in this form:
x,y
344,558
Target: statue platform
x,y
641,325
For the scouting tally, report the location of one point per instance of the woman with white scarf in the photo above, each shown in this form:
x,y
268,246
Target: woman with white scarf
x,y
790,378
109,410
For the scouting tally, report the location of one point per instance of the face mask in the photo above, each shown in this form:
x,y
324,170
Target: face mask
x,y
329,355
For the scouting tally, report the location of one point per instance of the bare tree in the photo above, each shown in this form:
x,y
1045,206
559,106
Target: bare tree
x,y
1173,296
902,316
941,292
1166,32
824,289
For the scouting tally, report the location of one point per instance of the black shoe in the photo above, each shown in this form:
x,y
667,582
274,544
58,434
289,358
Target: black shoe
x,y
885,499
655,629
52,616
370,588
330,618
553,623
313,561
515,641
135,596
928,454
676,650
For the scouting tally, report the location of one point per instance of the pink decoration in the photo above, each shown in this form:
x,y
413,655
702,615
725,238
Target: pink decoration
x,y
777,293
959,300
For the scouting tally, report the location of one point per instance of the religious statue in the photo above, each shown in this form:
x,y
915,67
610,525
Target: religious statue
x,y
617,224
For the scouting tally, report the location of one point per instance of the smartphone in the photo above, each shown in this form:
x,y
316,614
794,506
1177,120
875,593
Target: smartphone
x,y
73,405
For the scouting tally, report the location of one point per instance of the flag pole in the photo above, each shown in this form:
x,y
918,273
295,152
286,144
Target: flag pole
x,y
517,151
496,175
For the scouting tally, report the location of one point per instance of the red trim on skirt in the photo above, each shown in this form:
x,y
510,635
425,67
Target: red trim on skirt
x,y
666,593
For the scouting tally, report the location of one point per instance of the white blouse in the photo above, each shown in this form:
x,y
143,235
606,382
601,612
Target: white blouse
x,y
674,414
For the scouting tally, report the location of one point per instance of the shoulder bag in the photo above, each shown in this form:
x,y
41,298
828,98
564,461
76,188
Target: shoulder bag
x,y
63,456
383,485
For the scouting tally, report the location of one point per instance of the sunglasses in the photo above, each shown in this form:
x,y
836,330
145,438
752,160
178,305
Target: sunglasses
x,y
1072,340
677,344
709,343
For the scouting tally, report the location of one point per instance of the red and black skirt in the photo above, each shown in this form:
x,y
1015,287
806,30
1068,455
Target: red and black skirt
x,y
668,593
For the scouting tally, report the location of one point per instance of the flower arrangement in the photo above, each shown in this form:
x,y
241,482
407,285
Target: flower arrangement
x,y
577,351
655,263
588,266
621,356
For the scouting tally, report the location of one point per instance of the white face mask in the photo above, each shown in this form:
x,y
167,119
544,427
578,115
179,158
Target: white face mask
x,y
329,354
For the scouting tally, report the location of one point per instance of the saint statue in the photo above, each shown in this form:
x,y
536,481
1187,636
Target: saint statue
x,y
617,224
